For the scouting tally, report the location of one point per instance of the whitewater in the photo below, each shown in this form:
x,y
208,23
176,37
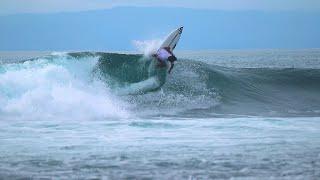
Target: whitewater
x,y
219,115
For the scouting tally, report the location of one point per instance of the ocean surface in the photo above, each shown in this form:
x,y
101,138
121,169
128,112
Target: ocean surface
x,y
251,114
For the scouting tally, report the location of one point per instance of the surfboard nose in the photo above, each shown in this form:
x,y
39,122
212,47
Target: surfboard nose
x,y
181,29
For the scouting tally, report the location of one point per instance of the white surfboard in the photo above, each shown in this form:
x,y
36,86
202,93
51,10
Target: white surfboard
x,y
172,39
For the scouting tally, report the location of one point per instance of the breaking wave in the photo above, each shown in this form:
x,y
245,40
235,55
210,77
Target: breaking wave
x,y
109,85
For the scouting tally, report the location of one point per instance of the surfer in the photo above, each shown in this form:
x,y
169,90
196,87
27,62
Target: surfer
x,y
164,55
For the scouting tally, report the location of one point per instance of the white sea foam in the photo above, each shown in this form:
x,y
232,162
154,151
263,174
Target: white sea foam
x,y
57,86
139,87
147,47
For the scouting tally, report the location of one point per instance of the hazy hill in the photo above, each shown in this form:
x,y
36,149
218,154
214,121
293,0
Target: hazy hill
x,y
114,29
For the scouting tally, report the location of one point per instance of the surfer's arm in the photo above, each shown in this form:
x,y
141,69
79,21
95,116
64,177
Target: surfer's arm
x,y
171,67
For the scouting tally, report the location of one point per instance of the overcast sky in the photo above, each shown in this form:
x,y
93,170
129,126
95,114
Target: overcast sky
x,y
47,6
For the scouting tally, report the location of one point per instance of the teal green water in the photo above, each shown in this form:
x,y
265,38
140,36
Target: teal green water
x,y
219,115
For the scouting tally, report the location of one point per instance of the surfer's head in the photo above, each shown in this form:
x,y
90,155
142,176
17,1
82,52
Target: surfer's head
x,y
172,58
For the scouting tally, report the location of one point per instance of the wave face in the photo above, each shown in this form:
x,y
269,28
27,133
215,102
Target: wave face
x,y
129,74
98,85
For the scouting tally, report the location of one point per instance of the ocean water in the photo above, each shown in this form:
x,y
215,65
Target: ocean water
x,y
251,114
